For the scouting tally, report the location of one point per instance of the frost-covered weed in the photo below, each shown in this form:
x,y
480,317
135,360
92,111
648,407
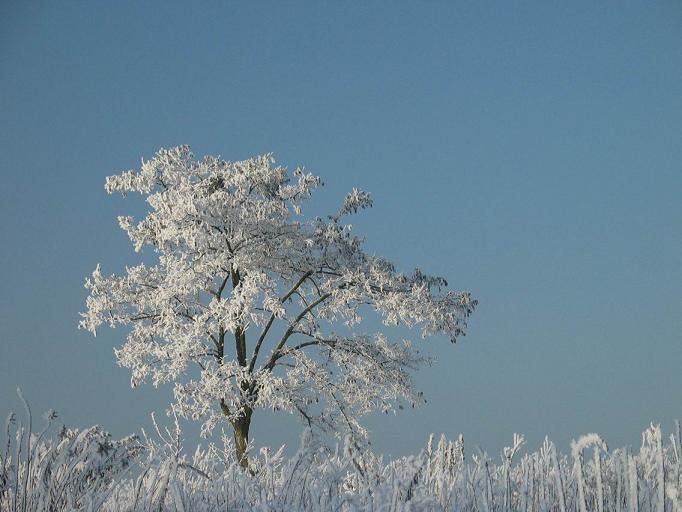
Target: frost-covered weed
x,y
87,470
74,470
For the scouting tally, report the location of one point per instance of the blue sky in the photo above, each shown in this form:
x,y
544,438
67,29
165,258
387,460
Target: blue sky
x,y
528,151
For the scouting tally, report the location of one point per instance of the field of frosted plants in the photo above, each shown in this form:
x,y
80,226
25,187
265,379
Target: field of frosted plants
x,y
88,470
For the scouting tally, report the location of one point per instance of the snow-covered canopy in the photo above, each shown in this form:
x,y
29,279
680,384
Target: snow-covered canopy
x,y
252,305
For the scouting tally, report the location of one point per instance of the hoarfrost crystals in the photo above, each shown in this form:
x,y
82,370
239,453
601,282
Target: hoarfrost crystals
x,y
241,307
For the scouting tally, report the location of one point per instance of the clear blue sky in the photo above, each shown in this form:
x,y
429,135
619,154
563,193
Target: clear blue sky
x,y
528,151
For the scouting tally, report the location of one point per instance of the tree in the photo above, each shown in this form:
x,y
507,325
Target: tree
x,y
251,306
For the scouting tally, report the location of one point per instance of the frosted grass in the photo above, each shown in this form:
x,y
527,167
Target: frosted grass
x,y
87,470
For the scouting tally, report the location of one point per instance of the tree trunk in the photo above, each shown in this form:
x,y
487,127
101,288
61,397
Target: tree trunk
x,y
240,428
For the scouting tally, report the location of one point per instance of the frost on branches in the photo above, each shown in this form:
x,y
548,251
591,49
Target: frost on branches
x,y
251,305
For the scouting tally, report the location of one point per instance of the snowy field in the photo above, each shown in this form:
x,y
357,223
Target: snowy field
x,y
88,470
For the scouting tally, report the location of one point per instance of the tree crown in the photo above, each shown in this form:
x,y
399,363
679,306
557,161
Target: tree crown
x,y
252,305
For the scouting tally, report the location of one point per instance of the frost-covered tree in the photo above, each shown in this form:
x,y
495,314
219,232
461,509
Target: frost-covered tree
x,y
251,306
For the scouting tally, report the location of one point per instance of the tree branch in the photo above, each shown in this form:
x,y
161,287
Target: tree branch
x,y
305,344
219,293
270,364
261,338
239,332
